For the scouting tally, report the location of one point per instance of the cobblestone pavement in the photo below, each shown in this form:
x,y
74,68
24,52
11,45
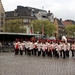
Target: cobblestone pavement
x,y
11,64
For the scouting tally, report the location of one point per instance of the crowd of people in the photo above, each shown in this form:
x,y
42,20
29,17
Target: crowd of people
x,y
45,48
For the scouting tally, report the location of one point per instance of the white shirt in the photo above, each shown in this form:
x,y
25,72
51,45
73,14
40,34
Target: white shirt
x,y
21,46
39,46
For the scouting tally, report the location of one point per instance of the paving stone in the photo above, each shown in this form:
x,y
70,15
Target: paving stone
x,y
11,64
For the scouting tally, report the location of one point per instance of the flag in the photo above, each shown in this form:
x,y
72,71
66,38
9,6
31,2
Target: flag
x,y
42,29
31,29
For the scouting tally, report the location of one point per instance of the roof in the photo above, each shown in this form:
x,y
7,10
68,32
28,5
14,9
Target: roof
x,y
23,11
49,14
60,22
68,22
9,14
7,33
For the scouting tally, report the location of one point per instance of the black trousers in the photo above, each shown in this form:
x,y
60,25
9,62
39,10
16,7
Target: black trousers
x,y
29,52
43,53
16,51
72,53
50,53
25,51
67,53
64,54
35,51
57,54
61,53
54,51
39,53
21,52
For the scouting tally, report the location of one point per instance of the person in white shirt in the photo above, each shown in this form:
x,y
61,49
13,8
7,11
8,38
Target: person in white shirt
x,y
16,46
61,50
47,44
44,47
50,49
21,47
64,48
30,48
27,47
39,48
55,49
68,49
35,47
58,49
73,48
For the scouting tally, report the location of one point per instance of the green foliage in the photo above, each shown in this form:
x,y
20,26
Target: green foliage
x,y
14,26
70,30
49,27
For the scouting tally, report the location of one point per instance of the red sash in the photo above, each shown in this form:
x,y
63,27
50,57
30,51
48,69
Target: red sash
x,y
16,47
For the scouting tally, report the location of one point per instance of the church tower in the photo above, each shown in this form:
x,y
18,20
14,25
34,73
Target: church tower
x,y
2,17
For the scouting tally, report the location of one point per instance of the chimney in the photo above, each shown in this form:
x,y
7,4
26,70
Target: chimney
x,y
60,19
48,11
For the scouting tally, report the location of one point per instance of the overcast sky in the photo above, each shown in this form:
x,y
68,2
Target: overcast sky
x,y
64,9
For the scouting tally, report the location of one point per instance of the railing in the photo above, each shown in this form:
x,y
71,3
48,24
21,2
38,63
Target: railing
x,y
7,48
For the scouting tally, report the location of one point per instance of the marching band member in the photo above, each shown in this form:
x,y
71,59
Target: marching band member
x,y
16,46
68,49
55,49
73,49
30,48
39,48
61,50
64,47
47,44
44,47
50,49
58,49
35,47
21,47
27,47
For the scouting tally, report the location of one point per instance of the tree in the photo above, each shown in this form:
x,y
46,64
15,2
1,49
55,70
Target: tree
x,y
14,26
70,30
49,27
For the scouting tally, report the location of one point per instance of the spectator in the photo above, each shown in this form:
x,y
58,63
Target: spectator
x,y
1,46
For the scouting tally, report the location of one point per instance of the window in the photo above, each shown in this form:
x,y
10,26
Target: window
x,y
15,14
1,25
29,20
2,14
1,18
25,20
52,17
6,15
1,30
44,16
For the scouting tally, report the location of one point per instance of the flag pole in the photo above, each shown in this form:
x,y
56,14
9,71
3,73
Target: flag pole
x,y
43,29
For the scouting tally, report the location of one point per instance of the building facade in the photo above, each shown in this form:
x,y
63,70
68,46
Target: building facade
x,y
2,17
27,15
60,28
